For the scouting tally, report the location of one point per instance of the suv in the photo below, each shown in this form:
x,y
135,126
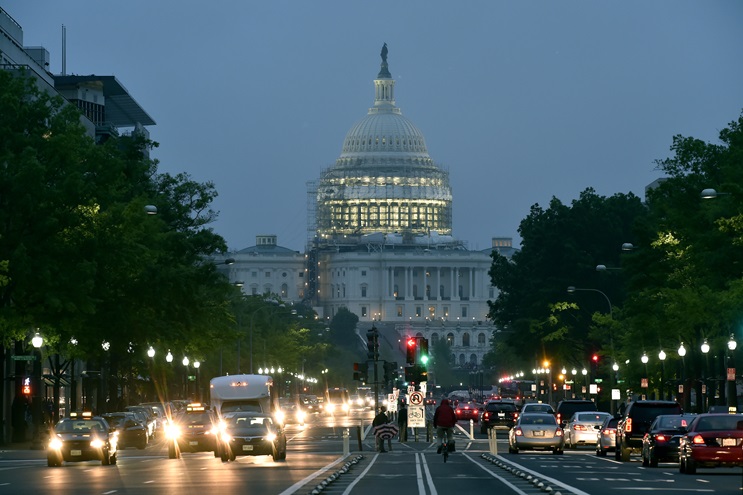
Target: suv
x,y
566,409
195,430
498,412
635,424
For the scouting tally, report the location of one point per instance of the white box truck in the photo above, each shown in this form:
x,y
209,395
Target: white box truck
x,y
242,393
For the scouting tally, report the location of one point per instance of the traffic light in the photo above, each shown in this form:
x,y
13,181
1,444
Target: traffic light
x,y
390,371
372,344
412,350
595,359
423,355
360,371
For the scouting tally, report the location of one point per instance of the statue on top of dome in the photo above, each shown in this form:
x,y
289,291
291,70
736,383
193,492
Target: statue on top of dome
x,y
384,53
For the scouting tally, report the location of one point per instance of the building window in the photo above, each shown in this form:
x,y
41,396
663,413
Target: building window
x,y
363,291
446,311
301,274
418,311
254,274
268,274
363,273
464,311
432,311
434,338
363,310
399,312
283,274
450,339
254,291
284,290
466,339
491,293
481,339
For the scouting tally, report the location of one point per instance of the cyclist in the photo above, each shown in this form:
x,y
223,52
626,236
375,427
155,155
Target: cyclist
x,y
444,420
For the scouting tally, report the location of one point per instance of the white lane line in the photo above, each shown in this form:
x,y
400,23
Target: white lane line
x,y
429,479
361,475
542,476
496,476
296,486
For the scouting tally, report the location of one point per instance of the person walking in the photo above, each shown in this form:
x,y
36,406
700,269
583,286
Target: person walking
x,y
402,422
444,420
379,420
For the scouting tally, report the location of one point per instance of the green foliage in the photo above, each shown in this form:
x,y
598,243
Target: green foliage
x,y
343,330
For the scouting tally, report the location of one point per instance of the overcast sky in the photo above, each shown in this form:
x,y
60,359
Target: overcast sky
x,y
520,100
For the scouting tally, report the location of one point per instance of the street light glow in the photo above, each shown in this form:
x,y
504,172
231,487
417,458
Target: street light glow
x,y
705,346
682,350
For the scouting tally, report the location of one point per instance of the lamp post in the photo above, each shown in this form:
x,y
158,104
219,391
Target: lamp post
x,y
645,360
37,341
185,363
197,365
732,393
682,391
705,386
662,357
615,383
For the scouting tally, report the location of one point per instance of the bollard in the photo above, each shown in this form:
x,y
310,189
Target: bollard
x,y
493,441
472,430
346,436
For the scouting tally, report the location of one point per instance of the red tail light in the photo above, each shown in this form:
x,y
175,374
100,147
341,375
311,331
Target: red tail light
x,y
579,427
628,425
558,432
660,438
485,415
697,440
558,417
518,432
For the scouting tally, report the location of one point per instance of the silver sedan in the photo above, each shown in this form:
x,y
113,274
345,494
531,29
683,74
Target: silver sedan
x,y
582,428
536,431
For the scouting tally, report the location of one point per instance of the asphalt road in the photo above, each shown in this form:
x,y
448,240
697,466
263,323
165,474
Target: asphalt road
x,y
316,456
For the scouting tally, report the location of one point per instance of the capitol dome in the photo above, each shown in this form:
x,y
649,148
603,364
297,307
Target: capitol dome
x,y
384,179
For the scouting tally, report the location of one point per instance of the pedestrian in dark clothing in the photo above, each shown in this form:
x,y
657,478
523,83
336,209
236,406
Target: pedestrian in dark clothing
x,y
379,420
402,422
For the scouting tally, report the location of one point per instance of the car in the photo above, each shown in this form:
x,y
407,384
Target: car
x,y
337,402
195,430
498,413
131,432
248,433
147,415
582,427
292,411
357,403
566,409
661,442
606,440
635,422
537,407
536,431
467,410
82,438
310,404
711,440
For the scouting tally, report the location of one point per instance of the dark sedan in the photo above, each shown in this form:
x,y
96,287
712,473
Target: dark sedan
x,y
132,432
661,442
249,433
86,438
712,440
467,410
498,413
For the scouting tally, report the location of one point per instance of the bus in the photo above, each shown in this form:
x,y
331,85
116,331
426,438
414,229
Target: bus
x,y
235,393
519,391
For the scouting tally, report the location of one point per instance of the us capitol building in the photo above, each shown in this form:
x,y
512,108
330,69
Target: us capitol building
x,y
380,240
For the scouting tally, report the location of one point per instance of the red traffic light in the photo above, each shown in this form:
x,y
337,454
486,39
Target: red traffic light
x,y
411,342
595,358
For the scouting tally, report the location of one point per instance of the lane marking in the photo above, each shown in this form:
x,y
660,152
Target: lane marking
x,y
429,479
496,476
296,486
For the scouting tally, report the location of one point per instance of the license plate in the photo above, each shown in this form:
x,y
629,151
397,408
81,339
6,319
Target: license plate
x,y
539,433
76,452
501,415
729,442
247,447
193,443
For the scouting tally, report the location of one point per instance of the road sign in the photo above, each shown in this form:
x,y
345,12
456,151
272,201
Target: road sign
x,y
25,358
644,382
416,417
391,403
731,374
416,399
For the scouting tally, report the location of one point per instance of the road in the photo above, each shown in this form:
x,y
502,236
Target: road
x,y
315,456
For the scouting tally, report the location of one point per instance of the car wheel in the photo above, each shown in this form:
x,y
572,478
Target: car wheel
x,y
224,456
652,459
691,466
106,460
558,452
625,454
52,462
282,455
617,455
113,459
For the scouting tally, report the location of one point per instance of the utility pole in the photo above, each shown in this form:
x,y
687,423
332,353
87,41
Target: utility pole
x,y
372,353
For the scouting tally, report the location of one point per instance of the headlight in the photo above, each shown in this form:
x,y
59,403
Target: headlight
x,y
330,407
300,416
270,437
345,407
279,417
360,402
55,443
97,443
226,438
172,431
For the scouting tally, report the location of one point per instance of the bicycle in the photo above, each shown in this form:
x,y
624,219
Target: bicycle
x,y
445,447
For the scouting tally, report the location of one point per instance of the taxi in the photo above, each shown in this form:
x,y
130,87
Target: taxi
x,y
82,437
195,430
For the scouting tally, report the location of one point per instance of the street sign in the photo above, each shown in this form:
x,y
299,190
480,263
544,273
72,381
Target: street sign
x,y
391,403
25,358
416,399
731,374
644,382
416,417
615,394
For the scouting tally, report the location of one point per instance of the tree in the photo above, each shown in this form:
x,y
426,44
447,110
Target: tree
x,y
561,247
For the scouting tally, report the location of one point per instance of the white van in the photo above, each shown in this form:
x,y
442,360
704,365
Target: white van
x,y
242,393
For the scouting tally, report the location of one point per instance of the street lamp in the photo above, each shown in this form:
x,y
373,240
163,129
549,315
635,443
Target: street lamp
x,y
705,350
169,357
732,394
662,357
682,353
645,360
37,341
151,352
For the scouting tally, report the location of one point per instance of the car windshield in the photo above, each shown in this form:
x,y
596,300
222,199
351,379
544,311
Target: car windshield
x,y
115,421
82,426
538,419
647,413
500,407
612,423
723,422
255,424
591,417
671,422
196,419
538,408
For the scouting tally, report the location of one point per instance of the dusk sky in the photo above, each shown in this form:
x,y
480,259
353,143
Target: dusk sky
x,y
520,100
